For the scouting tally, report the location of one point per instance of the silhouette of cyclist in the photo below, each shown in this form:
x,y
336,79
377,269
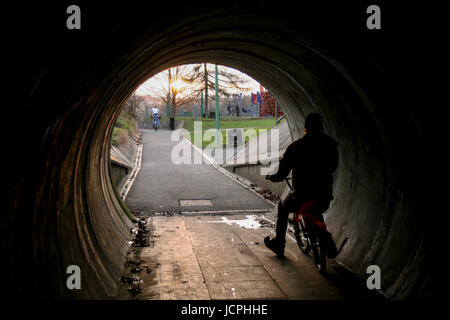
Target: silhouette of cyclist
x,y
312,159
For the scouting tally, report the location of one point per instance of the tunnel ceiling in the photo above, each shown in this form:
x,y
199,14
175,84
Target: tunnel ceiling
x,y
71,84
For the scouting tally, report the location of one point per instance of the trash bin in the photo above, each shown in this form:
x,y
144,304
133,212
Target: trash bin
x,y
172,123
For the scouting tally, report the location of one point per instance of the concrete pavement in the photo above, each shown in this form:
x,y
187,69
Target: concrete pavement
x,y
209,257
162,185
212,256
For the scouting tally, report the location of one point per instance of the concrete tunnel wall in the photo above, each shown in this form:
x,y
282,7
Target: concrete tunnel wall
x,y
61,208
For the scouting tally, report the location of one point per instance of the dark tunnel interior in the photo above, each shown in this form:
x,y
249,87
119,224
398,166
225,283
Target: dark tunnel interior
x,y
59,205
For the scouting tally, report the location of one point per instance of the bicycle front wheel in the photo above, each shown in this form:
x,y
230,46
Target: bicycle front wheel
x,y
301,236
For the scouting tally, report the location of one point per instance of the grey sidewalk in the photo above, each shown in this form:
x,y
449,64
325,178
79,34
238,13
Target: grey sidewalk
x,y
216,258
161,184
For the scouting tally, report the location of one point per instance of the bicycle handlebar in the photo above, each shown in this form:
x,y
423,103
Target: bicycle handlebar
x,y
287,181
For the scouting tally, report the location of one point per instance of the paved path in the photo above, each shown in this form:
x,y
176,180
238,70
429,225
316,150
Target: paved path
x,y
218,258
213,256
161,184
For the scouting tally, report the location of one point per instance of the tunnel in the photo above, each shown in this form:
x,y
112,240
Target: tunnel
x,y
59,205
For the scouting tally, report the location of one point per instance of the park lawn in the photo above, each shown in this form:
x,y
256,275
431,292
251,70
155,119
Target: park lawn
x,y
125,126
227,123
119,136
211,142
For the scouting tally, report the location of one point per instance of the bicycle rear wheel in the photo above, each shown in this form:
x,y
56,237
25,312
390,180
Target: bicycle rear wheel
x,y
301,236
320,255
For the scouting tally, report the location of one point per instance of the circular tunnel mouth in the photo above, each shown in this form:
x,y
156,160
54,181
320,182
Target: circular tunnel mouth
x,y
333,95
304,76
158,92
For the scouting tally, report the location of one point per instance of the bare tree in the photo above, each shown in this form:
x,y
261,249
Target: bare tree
x,y
132,104
179,94
202,78
187,82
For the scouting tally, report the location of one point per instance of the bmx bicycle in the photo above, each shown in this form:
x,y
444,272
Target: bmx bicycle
x,y
310,233
156,118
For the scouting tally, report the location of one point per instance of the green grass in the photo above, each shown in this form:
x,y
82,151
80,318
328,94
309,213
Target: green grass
x,y
125,126
119,136
126,122
227,123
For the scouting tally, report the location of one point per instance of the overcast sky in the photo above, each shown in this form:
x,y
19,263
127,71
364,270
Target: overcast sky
x,y
156,82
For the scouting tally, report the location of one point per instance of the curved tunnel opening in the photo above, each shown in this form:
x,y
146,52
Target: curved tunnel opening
x,y
375,206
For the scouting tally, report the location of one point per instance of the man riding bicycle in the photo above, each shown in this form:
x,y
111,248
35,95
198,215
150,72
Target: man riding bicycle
x,y
312,160
155,116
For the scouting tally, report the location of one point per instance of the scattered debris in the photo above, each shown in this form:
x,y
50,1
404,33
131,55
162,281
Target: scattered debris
x,y
133,264
264,192
137,266
166,213
267,194
135,286
140,234
126,280
266,224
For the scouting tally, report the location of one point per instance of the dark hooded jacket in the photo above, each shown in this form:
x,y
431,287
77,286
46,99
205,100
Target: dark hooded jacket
x,y
313,159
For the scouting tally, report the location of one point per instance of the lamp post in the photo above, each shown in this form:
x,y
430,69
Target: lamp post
x,y
276,111
217,109
168,105
172,116
201,106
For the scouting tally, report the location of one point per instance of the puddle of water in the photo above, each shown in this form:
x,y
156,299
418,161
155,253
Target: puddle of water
x,y
251,222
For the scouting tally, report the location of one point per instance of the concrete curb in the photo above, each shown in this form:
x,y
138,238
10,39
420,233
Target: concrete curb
x,y
137,165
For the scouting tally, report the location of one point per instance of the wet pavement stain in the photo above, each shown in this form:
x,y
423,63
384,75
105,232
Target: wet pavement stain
x,y
250,222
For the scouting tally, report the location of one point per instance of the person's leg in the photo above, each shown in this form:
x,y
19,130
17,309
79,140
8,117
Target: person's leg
x,y
282,223
285,205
